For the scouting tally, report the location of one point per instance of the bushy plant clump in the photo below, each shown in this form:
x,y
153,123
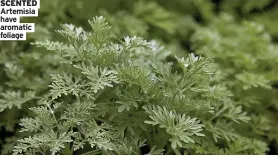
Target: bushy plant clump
x,y
150,77
116,96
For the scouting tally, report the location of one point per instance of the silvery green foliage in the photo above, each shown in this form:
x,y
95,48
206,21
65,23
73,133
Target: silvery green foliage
x,y
240,90
247,55
119,95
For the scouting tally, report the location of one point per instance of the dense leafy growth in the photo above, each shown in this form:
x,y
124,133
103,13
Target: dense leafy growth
x,y
146,77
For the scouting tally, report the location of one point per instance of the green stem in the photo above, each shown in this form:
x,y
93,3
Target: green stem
x,y
94,152
99,93
218,113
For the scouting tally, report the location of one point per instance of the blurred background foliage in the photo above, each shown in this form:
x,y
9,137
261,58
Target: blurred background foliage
x,y
241,35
